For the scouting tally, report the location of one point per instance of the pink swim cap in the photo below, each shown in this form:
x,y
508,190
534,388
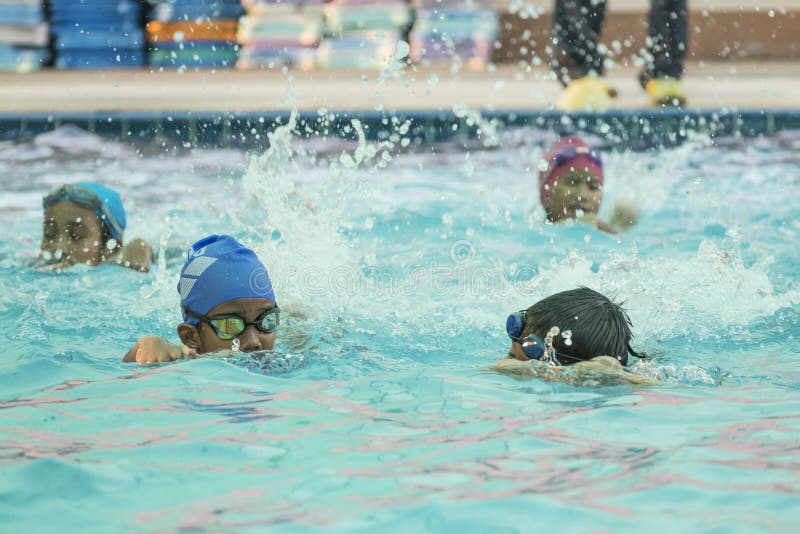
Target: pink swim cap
x,y
566,154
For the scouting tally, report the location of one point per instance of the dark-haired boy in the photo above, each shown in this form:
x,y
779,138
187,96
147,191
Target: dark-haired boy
x,y
570,335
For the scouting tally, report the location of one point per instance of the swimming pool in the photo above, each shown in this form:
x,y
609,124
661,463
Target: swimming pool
x,y
399,266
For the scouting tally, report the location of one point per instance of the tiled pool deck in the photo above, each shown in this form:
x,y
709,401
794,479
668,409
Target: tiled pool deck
x,y
717,86
225,108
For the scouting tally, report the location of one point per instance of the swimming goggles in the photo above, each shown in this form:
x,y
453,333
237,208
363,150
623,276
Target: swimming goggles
x,y
228,326
86,198
569,153
533,346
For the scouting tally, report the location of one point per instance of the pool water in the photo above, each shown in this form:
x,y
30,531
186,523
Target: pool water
x,y
377,410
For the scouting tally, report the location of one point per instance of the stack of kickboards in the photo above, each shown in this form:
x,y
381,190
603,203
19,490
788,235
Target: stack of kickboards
x,y
362,34
23,35
454,30
279,33
97,34
193,33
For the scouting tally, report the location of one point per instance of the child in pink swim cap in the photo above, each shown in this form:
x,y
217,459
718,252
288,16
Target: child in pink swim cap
x,y
571,183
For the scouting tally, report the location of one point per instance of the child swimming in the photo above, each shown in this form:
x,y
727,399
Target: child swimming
x,y
84,223
571,186
571,336
225,290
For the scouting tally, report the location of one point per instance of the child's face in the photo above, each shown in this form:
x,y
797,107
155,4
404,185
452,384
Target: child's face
x,y
574,192
72,234
250,340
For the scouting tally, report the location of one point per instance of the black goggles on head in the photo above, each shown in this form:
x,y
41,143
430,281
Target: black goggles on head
x,y
229,325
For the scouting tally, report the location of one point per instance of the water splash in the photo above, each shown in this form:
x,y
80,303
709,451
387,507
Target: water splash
x,y
691,374
270,362
298,235
396,63
487,129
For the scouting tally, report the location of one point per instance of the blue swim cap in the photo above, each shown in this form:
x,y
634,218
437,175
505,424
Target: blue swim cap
x,y
218,269
105,202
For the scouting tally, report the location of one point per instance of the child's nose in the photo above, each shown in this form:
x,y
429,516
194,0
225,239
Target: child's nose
x,y
62,243
249,340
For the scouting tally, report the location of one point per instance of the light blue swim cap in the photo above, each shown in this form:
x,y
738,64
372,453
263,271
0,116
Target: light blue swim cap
x,y
105,202
218,269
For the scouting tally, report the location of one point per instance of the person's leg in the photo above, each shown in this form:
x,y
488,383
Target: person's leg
x,y
668,40
576,30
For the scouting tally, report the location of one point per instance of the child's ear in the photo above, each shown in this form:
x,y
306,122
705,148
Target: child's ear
x,y
189,335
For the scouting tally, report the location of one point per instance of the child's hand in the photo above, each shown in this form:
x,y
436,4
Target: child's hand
x,y
624,216
136,255
154,349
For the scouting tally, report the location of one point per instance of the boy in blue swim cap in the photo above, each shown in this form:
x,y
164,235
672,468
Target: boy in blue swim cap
x,y
227,302
84,223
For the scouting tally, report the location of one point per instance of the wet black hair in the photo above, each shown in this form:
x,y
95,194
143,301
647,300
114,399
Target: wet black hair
x,y
599,326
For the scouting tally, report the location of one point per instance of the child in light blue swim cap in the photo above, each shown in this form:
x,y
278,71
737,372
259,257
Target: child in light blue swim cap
x,y
84,223
227,303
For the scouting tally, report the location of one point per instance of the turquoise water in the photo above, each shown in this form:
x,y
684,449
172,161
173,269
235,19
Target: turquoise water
x,y
377,410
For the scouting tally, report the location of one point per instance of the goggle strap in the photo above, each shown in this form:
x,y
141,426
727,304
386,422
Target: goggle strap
x,y
640,355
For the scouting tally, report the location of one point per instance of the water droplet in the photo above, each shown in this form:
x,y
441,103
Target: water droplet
x,y
401,50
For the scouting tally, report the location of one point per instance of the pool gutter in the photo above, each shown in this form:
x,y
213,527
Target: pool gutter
x,y
631,128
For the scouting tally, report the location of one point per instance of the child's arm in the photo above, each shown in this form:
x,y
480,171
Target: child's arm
x,y
593,220
623,217
599,371
607,228
154,349
136,255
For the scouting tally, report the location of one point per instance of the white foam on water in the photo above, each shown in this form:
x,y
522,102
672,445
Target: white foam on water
x,y
705,295
301,240
71,140
687,374
299,237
